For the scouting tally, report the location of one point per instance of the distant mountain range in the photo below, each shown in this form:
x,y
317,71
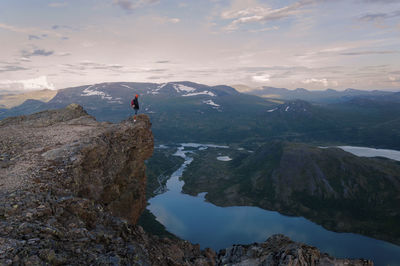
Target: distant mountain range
x,y
319,96
187,111
10,100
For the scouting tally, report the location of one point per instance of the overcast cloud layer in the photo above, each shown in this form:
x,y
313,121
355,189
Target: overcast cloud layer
x,y
315,44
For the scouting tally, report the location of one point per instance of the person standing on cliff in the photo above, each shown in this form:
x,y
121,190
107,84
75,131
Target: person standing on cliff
x,y
135,106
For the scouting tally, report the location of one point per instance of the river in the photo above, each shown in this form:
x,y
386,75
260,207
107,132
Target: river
x,y
194,219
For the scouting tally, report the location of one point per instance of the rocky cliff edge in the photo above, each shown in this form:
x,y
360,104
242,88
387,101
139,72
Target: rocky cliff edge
x,y
72,189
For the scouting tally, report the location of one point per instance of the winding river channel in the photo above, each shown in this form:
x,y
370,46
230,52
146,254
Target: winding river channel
x,y
194,219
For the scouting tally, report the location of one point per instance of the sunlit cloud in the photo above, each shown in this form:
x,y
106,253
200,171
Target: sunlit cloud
x,y
15,28
287,44
324,82
261,78
262,14
166,20
28,84
369,53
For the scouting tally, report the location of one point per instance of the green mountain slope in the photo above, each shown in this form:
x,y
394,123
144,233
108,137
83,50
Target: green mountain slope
x,y
191,112
331,187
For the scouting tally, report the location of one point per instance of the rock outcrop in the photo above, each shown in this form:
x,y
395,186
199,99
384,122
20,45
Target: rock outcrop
x,y
280,250
72,189
99,161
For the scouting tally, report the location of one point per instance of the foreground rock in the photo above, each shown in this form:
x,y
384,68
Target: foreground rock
x,y
72,189
280,250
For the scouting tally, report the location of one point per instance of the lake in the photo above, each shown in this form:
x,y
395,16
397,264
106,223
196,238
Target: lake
x,y
371,152
194,219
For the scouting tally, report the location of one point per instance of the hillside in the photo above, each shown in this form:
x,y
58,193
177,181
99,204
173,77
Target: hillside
x,y
317,96
331,187
191,112
73,188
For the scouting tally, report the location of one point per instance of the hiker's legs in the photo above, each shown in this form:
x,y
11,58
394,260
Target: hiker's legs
x,y
134,117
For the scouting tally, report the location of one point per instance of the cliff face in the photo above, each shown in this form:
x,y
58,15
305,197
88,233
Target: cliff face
x,y
110,168
72,189
99,161
66,181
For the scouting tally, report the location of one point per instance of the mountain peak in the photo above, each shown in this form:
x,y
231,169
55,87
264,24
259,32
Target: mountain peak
x,y
301,90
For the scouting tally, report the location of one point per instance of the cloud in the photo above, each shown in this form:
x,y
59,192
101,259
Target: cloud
x,y
37,52
262,14
165,20
394,79
369,53
38,33
164,77
10,68
381,1
264,29
133,4
318,81
33,37
174,20
60,27
261,77
89,65
157,70
163,62
14,28
37,37
380,16
28,84
64,54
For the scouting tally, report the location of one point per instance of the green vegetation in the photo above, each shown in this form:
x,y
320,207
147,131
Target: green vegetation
x,y
149,223
240,118
159,167
331,187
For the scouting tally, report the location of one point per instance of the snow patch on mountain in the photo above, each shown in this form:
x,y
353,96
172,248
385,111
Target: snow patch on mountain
x,y
89,92
157,90
183,88
224,158
200,93
212,103
126,86
104,96
162,85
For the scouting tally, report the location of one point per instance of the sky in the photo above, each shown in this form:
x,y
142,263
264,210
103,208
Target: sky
x,y
312,44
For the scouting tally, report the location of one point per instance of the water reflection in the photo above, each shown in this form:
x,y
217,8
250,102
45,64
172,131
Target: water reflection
x,y
194,219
